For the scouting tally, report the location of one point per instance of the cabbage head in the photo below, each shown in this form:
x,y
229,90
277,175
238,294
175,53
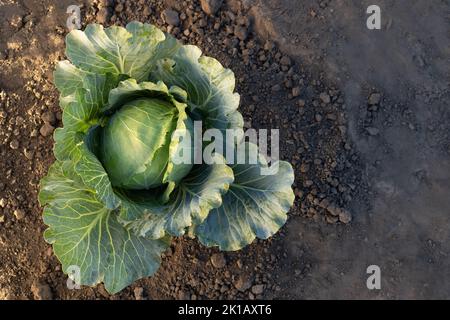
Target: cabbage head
x,y
116,195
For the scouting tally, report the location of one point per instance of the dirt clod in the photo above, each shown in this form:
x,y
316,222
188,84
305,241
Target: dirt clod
x,y
242,283
372,131
171,17
46,130
41,291
218,260
19,214
211,7
258,289
325,97
374,98
138,293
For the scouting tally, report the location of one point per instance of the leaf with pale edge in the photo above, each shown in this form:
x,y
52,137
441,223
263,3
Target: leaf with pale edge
x,y
88,236
254,207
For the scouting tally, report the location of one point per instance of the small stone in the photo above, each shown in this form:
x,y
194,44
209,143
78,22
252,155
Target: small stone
x,y
241,32
28,154
211,7
14,144
333,210
2,202
119,8
258,289
48,117
325,97
171,17
184,295
19,214
218,260
374,98
296,91
242,283
102,15
138,293
304,168
318,117
301,103
372,131
345,216
285,61
2,219
324,203
46,130
41,291
276,88
331,219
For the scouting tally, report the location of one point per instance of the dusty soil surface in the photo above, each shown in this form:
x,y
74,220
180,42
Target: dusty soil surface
x,y
364,120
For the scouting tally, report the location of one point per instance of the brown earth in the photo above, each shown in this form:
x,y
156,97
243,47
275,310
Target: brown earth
x,y
364,120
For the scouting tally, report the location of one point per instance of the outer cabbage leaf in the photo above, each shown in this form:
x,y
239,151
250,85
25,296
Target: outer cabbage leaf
x,y
131,51
70,144
190,203
209,85
254,207
87,235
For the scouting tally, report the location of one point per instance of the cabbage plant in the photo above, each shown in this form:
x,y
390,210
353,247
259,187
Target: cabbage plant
x,y
115,195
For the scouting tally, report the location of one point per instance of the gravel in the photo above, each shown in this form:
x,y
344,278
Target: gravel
x,y
242,283
41,291
211,7
374,98
171,17
46,130
325,97
372,131
218,260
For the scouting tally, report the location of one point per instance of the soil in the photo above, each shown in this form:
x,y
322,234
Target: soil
x,y
363,117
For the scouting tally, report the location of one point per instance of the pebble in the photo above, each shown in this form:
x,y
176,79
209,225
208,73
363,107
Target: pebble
x,y
331,219
171,17
372,131
325,97
48,117
102,15
258,289
374,98
285,61
19,214
2,202
46,130
318,117
119,8
333,210
34,133
296,91
28,154
138,293
14,144
345,216
276,88
211,7
41,291
242,283
241,32
218,260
